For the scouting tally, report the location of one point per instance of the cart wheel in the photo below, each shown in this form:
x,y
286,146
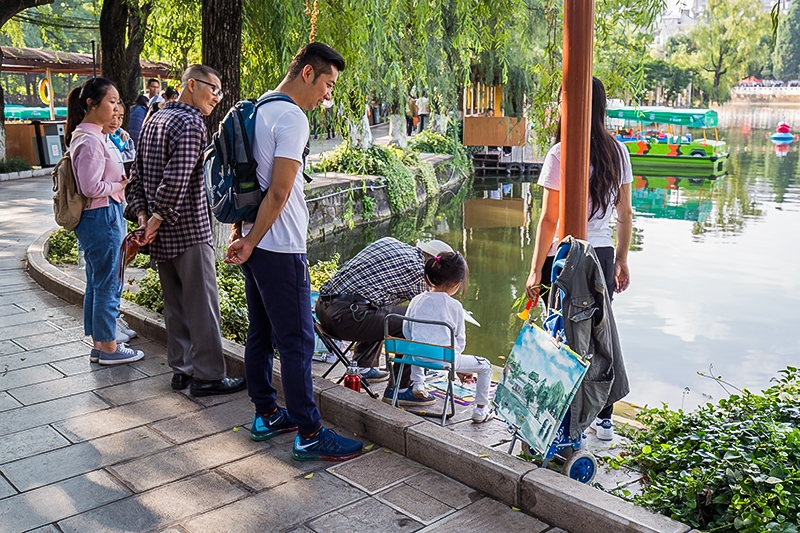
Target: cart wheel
x,y
582,466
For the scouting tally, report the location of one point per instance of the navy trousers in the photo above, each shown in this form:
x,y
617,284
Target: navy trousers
x,y
279,307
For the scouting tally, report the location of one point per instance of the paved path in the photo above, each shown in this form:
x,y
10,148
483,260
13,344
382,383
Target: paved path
x,y
85,448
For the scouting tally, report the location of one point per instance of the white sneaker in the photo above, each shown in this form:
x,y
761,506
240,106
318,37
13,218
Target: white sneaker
x,y
435,375
122,337
123,326
480,415
605,429
419,391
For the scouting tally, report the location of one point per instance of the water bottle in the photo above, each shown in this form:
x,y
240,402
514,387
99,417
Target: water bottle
x,y
352,378
81,260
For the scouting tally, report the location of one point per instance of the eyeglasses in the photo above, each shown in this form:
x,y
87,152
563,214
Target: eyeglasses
x,y
216,91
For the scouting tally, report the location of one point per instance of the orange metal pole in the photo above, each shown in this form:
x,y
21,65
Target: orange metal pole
x,y
576,110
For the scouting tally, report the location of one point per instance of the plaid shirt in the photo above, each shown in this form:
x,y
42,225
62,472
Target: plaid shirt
x,y
167,179
386,272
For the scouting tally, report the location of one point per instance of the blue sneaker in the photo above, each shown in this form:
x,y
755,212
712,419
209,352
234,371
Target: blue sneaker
x,y
326,445
266,427
407,398
94,355
121,356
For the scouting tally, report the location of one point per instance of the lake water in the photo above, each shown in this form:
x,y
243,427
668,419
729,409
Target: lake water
x,y
714,267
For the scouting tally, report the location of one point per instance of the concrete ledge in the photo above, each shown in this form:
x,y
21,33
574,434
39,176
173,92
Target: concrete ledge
x,y
579,508
26,174
486,469
556,499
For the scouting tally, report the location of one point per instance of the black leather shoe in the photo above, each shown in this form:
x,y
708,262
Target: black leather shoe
x,y
180,381
222,386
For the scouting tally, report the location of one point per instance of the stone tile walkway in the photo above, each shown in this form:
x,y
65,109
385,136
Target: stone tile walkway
x,y
85,448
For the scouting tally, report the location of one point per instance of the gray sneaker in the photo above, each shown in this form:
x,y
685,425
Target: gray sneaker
x,y
121,356
94,355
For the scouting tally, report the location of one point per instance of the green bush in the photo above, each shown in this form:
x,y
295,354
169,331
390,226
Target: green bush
x,y
733,466
377,161
429,141
13,164
63,247
322,271
149,294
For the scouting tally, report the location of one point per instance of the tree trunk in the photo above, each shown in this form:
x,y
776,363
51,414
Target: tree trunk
x,y
137,25
9,8
113,27
222,46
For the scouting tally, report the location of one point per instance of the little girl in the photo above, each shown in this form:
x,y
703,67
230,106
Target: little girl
x,y
445,273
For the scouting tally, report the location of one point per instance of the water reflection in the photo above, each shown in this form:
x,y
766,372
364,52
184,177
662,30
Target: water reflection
x,y
713,267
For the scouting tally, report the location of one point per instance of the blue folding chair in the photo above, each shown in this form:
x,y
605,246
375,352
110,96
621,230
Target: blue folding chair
x,y
433,356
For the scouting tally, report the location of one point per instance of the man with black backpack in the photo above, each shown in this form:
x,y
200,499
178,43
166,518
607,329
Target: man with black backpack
x,y
168,198
272,254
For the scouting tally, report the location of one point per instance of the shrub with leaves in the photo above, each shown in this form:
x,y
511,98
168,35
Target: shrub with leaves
x,y
732,467
432,142
63,247
322,271
13,164
149,294
234,320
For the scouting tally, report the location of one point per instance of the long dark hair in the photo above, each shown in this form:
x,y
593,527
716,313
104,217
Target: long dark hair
x,y
94,89
447,269
605,155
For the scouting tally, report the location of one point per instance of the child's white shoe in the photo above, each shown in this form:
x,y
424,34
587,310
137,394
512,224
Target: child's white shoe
x,y
419,391
480,415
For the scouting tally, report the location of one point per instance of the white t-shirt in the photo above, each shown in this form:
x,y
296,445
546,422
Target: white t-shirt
x,y
436,306
281,130
599,231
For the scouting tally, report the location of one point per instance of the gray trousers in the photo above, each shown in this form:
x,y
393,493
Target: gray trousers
x,y
191,313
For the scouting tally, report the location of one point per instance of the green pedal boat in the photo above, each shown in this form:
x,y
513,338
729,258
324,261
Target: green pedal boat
x,y
660,151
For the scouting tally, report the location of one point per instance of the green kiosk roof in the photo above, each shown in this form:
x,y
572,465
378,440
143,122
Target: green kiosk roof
x,y
693,118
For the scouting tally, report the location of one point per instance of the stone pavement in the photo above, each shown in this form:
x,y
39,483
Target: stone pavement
x,y
86,448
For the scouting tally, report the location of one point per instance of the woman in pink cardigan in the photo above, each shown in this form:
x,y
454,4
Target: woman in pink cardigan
x,y
91,108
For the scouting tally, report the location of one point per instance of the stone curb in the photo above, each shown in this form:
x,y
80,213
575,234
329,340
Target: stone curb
x,y
556,499
26,174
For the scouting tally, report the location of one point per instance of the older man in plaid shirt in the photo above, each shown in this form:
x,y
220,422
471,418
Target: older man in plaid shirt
x,y
167,197
353,304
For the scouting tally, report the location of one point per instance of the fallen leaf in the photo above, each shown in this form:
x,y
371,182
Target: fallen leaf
x,y
368,447
515,508
144,436
484,455
501,356
235,429
22,358
310,475
332,470
387,451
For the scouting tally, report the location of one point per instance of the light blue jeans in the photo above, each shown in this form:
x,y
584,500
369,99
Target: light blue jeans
x,y
100,234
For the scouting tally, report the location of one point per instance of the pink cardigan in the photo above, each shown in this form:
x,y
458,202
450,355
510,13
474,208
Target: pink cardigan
x,y
97,172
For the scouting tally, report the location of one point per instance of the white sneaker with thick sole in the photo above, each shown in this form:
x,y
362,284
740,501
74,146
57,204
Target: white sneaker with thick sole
x,y
480,415
605,429
123,326
122,337
419,391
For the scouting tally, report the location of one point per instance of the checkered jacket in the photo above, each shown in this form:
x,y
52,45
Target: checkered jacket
x,y
386,272
167,179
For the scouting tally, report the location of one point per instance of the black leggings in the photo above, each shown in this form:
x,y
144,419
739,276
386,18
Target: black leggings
x,y
605,254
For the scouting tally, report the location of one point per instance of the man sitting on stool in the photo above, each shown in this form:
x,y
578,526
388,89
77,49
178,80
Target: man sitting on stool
x,y
353,304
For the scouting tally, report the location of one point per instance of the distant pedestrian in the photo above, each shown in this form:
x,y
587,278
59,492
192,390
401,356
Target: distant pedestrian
x,y
423,111
168,198
91,112
138,111
154,92
411,114
273,257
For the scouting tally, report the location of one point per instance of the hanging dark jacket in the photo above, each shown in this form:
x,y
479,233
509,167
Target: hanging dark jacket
x,y
591,332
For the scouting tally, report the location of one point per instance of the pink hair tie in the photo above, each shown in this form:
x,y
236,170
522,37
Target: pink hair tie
x,y
437,258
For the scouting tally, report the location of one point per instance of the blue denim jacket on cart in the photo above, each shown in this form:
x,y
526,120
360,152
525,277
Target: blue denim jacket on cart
x,y
591,332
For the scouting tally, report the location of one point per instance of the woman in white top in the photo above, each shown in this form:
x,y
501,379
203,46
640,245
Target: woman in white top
x,y
609,190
